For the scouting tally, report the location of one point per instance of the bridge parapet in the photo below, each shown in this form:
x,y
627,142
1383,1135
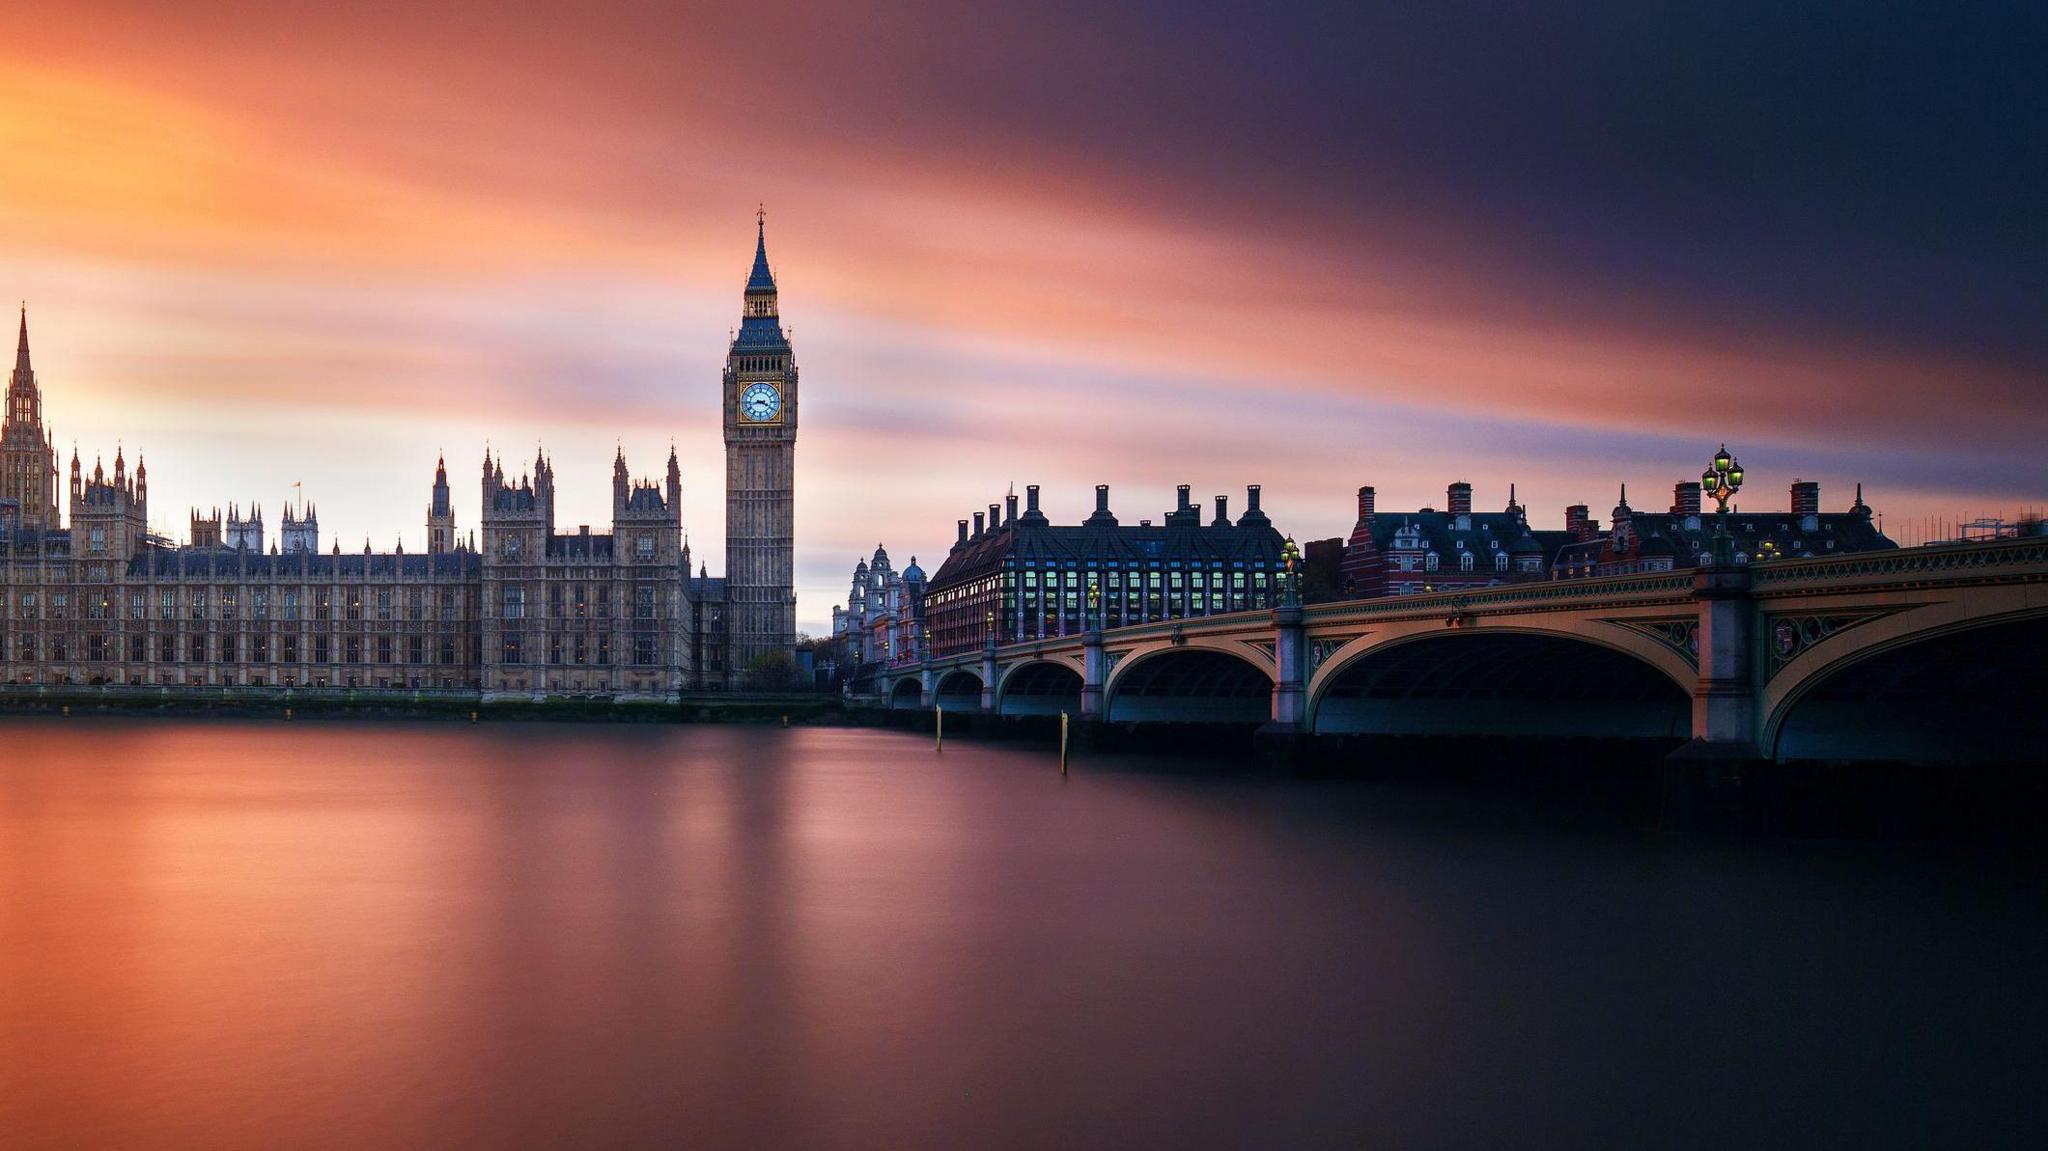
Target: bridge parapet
x,y
2002,561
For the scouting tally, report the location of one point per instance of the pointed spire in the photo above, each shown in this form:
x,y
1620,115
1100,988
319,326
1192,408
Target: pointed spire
x,y
21,367
760,279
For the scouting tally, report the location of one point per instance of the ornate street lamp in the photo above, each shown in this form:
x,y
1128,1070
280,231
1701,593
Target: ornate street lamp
x,y
990,628
1721,480
1094,603
1290,577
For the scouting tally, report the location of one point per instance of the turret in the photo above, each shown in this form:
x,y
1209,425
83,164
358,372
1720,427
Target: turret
x,y
675,485
440,513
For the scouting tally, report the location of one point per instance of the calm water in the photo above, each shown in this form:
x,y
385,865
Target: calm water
x,y
309,936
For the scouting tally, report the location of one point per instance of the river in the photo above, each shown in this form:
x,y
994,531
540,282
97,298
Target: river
x,y
331,935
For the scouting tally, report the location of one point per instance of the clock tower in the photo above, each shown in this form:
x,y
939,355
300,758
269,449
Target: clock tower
x,y
760,475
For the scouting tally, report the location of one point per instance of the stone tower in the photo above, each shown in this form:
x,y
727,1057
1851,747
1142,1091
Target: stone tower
x,y
440,514
760,389
28,458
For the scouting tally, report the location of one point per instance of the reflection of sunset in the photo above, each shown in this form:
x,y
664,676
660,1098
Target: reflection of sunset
x,y
1054,265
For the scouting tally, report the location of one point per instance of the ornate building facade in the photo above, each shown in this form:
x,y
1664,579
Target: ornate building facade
x,y
883,620
527,611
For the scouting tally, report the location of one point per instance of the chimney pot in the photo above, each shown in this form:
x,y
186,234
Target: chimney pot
x,y
1010,510
1251,497
963,531
1101,497
1031,497
1805,498
1181,493
1458,499
978,528
1685,498
1222,512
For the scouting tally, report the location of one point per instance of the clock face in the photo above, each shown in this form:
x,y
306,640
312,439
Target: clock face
x,y
760,403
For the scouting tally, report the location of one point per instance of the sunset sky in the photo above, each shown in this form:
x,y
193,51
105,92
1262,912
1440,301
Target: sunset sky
x,y
1565,245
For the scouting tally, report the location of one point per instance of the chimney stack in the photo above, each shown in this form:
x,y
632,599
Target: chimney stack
x,y
1010,510
1251,498
977,525
1102,517
1578,520
1685,498
1031,498
1458,499
1805,498
995,517
1222,512
1365,505
963,531
1181,498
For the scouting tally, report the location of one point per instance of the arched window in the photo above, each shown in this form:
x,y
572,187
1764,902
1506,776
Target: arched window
x,y
1431,562
1464,561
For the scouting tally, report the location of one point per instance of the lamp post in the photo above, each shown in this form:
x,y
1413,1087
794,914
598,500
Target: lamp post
x,y
1721,480
1094,620
1290,576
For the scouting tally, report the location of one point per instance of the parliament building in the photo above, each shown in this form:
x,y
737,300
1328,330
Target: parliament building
x,y
521,610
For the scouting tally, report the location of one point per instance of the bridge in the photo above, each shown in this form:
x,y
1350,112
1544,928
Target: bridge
x,y
1927,654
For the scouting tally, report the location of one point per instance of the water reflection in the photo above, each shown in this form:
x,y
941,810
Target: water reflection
x,y
247,935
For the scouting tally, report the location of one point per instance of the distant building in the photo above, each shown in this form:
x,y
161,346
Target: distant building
x,y
1406,553
883,620
1021,577
1683,536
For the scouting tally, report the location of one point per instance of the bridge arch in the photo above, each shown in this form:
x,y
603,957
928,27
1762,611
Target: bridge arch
x,y
1040,687
1190,683
958,690
907,694
1426,679
1928,685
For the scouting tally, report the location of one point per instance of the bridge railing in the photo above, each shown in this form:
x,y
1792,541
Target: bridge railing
x,y
1964,562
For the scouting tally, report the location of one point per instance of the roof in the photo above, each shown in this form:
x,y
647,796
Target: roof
x,y
760,279
1031,540
1665,533
1481,533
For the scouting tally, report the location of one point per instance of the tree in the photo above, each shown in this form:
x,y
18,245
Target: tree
x,y
774,671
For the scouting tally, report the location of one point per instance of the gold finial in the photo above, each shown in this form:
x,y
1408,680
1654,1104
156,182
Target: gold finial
x,y
760,221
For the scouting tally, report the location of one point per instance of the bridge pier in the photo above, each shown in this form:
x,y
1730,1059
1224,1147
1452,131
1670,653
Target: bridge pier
x,y
928,685
1281,744
1716,778
1092,665
988,676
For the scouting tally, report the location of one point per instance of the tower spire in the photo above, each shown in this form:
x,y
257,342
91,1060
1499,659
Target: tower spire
x,y
760,279
21,367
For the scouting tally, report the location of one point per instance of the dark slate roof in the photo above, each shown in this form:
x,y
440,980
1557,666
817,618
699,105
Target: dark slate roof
x,y
760,279
1689,537
1032,540
580,546
519,499
761,334
708,588
1484,533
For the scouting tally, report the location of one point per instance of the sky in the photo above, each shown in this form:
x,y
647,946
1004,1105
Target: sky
x,y
1565,246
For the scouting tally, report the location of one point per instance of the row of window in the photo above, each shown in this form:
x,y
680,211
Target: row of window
x,y
227,603
258,648
579,603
